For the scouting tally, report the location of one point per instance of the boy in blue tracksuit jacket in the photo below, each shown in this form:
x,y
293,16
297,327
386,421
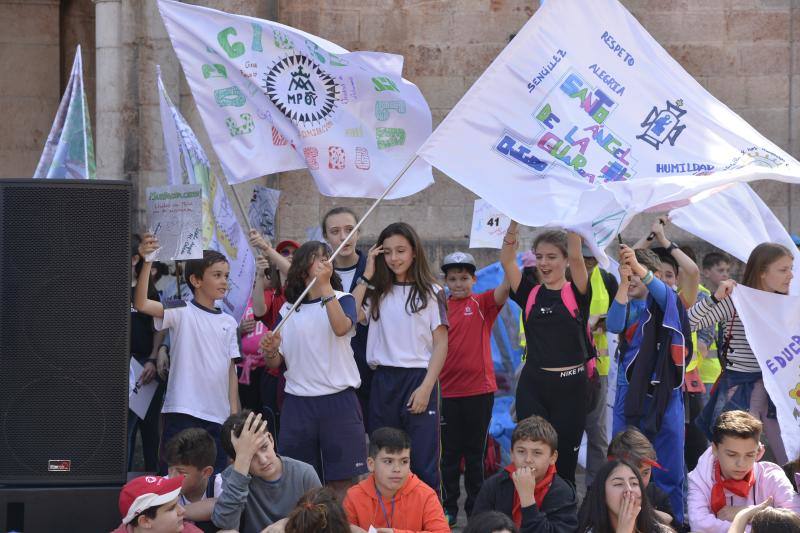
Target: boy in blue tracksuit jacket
x,y
652,355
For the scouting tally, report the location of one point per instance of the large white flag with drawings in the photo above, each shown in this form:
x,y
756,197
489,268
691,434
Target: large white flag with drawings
x,y
584,120
187,163
274,98
772,325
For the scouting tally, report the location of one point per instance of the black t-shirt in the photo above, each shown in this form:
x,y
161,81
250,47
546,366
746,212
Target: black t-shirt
x,y
142,329
554,338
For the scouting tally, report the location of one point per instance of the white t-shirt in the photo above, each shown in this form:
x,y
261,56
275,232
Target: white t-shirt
x,y
399,338
347,275
317,361
203,342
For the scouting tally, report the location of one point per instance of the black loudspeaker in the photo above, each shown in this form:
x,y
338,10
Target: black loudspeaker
x,y
64,331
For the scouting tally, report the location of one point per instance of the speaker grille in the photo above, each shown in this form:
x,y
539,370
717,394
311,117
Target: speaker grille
x,y
64,331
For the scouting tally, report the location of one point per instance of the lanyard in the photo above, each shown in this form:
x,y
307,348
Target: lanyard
x,y
388,518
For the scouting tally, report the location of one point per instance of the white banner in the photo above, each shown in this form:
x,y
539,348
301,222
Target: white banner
x,y
772,324
489,225
187,162
175,216
274,98
69,150
584,120
746,220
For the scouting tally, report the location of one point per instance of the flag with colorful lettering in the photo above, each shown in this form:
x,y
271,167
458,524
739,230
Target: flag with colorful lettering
x,y
69,150
187,163
772,325
274,98
584,120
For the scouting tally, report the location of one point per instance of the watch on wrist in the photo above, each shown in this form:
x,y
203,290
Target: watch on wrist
x,y
672,246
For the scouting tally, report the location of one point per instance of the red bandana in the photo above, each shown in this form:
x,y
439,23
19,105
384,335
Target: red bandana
x,y
739,487
539,492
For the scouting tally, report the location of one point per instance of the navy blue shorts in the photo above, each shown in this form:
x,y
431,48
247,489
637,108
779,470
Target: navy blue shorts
x,y
174,423
326,432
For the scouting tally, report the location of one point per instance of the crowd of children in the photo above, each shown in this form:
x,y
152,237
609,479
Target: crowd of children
x,y
361,413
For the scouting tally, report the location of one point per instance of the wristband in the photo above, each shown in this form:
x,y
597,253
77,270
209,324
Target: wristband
x,y
366,282
714,298
648,277
327,299
672,246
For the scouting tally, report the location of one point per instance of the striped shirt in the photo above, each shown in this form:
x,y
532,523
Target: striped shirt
x,y
706,313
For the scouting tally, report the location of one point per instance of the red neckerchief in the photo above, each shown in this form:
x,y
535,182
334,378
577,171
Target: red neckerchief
x,y
739,487
539,492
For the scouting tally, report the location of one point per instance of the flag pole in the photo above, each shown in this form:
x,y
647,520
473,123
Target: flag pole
x,y
241,209
388,189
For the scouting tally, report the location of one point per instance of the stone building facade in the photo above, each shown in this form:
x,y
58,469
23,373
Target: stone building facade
x,y
745,52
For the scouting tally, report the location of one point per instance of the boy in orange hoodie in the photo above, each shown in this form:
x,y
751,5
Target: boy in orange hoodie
x,y
392,499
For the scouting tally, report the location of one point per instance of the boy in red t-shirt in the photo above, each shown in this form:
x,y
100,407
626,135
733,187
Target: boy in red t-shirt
x,y
467,379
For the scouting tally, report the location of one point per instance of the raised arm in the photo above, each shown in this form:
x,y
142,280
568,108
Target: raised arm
x,y
258,242
501,292
508,256
577,266
141,302
259,305
340,323
708,311
688,271
360,291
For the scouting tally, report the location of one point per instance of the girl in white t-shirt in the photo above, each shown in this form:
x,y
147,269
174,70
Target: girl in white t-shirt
x,y
321,419
407,343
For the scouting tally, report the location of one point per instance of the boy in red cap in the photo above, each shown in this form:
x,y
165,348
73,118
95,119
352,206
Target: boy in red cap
x,y
150,504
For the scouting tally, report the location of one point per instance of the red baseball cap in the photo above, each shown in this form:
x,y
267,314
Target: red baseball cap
x,y
284,244
145,492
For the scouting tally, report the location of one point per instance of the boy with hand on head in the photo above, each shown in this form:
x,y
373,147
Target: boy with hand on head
x,y
654,344
203,389
260,487
150,504
632,446
191,454
729,475
529,490
467,379
392,499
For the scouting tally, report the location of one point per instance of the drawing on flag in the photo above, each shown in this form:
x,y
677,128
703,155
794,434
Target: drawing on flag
x,y
772,325
586,124
274,98
187,163
69,150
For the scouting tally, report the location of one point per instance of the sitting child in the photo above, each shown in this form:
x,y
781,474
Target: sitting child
x,y
260,487
634,447
391,496
150,504
730,477
529,490
191,454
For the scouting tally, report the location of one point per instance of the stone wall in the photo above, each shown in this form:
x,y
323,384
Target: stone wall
x,y
745,52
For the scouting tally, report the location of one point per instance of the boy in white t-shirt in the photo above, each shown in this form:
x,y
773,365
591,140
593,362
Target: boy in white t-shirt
x,y
202,390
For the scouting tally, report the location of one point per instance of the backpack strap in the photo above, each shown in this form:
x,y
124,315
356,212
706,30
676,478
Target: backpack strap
x,y
531,300
210,487
568,299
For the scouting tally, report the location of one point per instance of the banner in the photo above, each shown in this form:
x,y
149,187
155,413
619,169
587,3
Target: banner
x,y
586,123
772,325
69,151
187,162
747,222
489,225
263,207
274,98
175,216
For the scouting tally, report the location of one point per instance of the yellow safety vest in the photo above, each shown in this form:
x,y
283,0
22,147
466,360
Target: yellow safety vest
x,y
599,305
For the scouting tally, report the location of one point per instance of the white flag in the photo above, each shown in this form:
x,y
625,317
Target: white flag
x,y
274,98
772,324
747,222
187,163
584,120
69,150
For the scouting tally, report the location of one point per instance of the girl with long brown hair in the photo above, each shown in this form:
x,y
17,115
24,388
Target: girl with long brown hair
x,y
740,386
406,344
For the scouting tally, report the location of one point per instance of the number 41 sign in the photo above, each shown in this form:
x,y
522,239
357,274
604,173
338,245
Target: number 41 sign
x,y
488,226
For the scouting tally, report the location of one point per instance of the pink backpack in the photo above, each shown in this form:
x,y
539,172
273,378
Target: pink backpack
x,y
569,301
